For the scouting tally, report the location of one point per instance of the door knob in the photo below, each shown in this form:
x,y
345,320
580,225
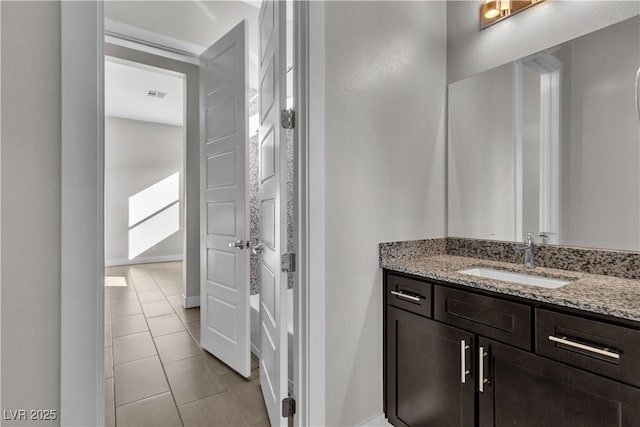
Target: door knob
x,y
240,244
257,248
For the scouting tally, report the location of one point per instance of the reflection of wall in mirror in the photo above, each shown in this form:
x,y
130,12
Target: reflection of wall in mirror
x,y
530,150
481,152
600,155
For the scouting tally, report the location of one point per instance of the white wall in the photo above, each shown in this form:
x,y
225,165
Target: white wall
x,y
481,153
30,204
137,155
470,51
385,176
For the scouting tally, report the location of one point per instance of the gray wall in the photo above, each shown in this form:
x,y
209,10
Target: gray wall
x,y
191,156
385,176
30,200
470,51
137,155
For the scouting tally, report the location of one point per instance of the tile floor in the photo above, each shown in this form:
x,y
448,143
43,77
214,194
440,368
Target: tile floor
x,y
156,373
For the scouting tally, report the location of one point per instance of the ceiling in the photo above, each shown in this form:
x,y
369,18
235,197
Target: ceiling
x,y
126,93
199,23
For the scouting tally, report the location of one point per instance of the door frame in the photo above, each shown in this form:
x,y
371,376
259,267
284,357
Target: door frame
x,y
82,232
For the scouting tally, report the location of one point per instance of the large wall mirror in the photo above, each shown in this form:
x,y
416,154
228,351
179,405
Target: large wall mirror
x,y
550,144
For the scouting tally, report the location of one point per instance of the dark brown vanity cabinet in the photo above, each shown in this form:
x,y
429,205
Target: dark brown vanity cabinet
x,y
426,386
524,389
479,360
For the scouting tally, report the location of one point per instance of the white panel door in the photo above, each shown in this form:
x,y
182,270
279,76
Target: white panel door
x,y
272,201
224,214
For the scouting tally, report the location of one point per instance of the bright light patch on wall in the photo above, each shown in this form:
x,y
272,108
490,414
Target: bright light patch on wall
x,y
154,214
154,198
154,230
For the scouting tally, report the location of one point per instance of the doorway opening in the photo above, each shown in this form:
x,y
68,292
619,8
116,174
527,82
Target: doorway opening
x,y
157,367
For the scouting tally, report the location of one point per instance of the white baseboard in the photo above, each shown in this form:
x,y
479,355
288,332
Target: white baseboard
x,y
190,302
142,260
255,350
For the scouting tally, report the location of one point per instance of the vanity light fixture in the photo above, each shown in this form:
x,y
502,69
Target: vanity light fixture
x,y
492,11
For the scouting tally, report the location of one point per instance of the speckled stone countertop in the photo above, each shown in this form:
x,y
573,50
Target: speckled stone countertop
x,y
609,295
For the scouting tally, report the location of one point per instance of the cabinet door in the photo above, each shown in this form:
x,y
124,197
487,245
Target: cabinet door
x,y
523,389
426,380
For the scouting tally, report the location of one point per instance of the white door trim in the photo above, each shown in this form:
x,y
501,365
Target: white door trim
x,y
82,210
309,320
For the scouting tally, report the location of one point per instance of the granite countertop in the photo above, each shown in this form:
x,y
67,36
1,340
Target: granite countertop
x,y
609,295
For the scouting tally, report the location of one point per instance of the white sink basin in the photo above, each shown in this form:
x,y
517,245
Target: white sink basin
x,y
523,279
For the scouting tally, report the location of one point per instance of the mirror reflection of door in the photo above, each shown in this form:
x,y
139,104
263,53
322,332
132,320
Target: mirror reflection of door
x,y
541,81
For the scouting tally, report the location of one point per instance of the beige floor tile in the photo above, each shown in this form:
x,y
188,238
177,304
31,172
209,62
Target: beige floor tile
x,y
109,404
248,396
176,346
125,309
192,379
132,347
194,330
216,410
116,270
219,367
158,308
108,362
151,296
147,286
172,290
175,300
156,411
165,281
128,325
188,315
120,297
163,325
139,379
264,423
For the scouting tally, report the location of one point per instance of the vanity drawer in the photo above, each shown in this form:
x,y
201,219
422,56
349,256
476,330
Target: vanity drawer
x,y
602,348
492,317
408,294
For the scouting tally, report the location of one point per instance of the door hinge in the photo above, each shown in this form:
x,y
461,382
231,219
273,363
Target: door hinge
x,y
288,119
288,262
288,407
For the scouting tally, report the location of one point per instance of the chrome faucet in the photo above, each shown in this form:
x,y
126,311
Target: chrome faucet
x,y
529,250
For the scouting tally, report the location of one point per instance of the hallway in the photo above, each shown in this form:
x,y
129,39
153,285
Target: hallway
x,y
156,373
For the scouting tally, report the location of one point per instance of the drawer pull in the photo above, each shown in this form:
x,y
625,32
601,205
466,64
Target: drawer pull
x,y
406,296
603,352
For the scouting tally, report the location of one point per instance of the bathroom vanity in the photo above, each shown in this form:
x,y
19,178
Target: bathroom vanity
x,y
462,350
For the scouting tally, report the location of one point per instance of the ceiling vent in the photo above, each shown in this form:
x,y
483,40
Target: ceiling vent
x,y
156,93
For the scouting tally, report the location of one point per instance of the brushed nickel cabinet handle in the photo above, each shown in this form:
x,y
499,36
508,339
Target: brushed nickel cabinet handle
x,y
596,350
481,379
407,296
463,362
